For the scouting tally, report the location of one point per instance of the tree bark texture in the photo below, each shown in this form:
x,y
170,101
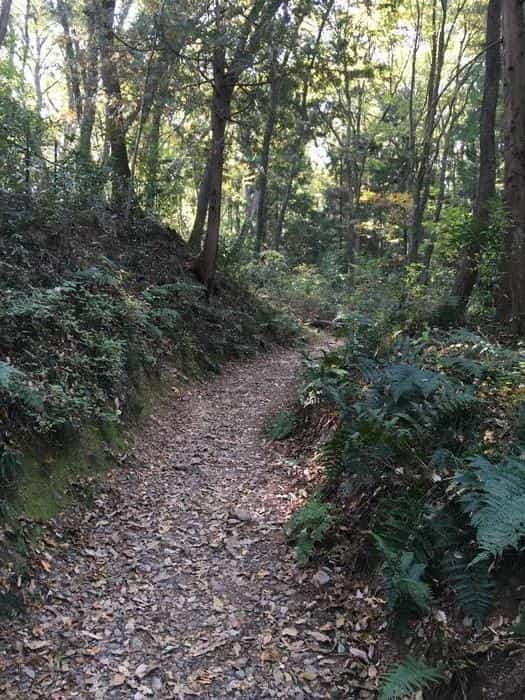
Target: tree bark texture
x,y
468,266
514,150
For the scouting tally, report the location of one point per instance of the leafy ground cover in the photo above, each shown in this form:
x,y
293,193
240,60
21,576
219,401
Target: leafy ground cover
x,y
422,484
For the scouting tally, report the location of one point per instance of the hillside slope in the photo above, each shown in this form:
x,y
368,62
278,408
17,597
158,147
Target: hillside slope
x,y
92,313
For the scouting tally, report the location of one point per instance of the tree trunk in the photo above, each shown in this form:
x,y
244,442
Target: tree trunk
x,y
203,198
72,66
262,181
116,131
152,162
224,82
423,176
220,113
90,73
467,271
5,11
281,216
514,149
207,259
303,129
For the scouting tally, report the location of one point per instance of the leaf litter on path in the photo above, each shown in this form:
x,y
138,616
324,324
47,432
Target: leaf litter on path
x,y
180,583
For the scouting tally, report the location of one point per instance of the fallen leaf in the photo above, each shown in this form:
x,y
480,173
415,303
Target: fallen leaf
x,y
320,637
359,653
144,670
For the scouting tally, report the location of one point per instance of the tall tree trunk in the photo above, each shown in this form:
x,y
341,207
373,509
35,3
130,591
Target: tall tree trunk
x,y
223,91
281,215
423,176
225,79
411,116
152,162
203,198
514,149
5,11
72,66
303,129
467,271
262,180
116,131
90,73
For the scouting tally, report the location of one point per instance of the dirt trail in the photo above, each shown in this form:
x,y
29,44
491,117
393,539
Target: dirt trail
x,y
179,582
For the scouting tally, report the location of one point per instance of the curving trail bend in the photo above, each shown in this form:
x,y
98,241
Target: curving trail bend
x,y
179,582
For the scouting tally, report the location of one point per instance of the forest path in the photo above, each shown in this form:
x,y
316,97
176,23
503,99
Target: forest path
x,y
179,582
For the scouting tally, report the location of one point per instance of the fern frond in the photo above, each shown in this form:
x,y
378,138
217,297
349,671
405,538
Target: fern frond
x,y
493,495
407,678
404,580
472,584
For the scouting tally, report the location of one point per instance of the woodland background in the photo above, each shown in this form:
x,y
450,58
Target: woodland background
x,y
186,182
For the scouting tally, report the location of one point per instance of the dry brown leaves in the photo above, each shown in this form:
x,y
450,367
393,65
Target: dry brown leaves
x,y
180,583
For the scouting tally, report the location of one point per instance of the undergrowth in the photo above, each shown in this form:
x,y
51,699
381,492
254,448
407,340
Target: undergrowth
x,y
72,355
428,430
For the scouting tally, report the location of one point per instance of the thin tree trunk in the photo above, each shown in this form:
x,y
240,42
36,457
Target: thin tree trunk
x,y
262,181
5,11
90,74
279,225
39,96
72,65
302,131
116,131
424,171
224,83
206,262
152,162
514,149
203,198
411,116
468,266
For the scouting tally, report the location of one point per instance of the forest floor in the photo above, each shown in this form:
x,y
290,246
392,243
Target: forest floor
x,y
179,582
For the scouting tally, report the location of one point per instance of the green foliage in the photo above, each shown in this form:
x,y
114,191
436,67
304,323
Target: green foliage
x,y
409,677
281,425
10,466
453,231
303,289
334,455
472,583
406,587
309,526
493,495
77,349
408,411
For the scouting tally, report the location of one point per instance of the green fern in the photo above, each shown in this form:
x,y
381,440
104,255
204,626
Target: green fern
x,y
17,386
7,374
281,425
400,524
10,466
493,495
472,584
309,526
408,678
407,591
334,454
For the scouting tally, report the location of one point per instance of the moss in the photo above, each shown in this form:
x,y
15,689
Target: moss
x,y
51,476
